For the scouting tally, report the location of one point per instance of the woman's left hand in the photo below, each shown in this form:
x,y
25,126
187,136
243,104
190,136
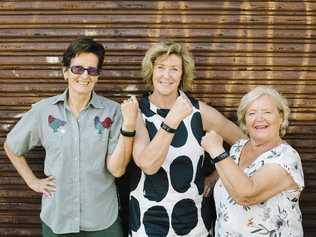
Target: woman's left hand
x,y
212,143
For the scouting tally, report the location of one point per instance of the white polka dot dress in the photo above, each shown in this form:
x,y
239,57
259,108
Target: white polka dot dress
x,y
170,202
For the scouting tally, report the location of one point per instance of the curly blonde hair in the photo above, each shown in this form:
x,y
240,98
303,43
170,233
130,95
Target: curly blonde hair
x,y
169,47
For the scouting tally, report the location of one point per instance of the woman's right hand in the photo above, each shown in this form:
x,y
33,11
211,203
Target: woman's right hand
x,y
46,186
179,111
212,143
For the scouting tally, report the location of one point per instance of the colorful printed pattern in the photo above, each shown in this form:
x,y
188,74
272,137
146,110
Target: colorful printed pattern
x,y
278,216
100,126
55,123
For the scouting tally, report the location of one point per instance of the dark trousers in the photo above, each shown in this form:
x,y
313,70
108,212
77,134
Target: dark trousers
x,y
114,230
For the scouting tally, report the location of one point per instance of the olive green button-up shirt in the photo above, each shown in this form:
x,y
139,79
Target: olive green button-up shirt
x,y
76,151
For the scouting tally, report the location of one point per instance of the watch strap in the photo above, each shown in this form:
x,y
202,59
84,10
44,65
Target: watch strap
x,y
220,157
128,133
167,128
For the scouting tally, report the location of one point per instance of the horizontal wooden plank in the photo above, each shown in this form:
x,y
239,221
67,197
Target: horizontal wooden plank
x,y
270,6
28,208
16,230
104,34
138,49
155,18
19,193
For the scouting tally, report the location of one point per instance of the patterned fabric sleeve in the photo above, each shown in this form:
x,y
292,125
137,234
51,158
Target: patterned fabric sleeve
x,y
25,134
289,159
236,149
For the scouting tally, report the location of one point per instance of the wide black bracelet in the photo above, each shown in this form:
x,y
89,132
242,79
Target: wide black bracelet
x,y
220,157
167,128
128,133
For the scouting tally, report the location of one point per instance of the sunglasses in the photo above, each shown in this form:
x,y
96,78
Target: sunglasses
x,y
79,70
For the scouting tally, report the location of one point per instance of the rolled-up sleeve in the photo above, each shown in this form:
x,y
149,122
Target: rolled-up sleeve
x,y
25,134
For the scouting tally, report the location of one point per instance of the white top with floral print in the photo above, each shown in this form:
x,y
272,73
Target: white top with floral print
x,y
279,216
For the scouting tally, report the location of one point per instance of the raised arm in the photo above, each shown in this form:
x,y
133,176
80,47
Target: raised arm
x,y
119,159
150,155
214,120
265,183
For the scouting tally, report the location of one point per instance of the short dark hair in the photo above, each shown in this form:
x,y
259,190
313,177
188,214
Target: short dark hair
x,y
83,45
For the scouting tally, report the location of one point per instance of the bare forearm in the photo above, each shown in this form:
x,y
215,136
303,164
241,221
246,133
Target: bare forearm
x,y
237,184
119,159
154,155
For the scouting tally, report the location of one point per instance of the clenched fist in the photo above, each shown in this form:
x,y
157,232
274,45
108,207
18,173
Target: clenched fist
x,y
179,111
129,110
212,143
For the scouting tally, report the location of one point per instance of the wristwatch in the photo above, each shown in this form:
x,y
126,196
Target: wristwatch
x,y
167,128
220,157
128,133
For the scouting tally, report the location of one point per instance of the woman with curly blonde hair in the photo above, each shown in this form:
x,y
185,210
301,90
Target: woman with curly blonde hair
x,y
167,182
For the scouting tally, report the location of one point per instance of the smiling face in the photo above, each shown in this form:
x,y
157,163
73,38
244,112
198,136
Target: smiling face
x,y
167,75
263,120
82,84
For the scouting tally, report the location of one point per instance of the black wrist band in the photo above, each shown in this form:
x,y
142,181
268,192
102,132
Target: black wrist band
x,y
220,157
128,133
167,128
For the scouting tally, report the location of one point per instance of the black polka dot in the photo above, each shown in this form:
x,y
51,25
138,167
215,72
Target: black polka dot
x,y
181,173
156,222
197,126
181,136
152,130
208,212
145,107
184,216
134,216
134,175
194,102
199,178
163,112
156,185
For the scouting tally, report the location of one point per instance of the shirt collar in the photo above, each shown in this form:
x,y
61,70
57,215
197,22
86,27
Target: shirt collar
x,y
95,101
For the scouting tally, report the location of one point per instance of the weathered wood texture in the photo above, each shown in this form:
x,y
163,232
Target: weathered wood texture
x,y
237,45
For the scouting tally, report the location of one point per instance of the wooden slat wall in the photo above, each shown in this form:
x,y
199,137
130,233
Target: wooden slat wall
x,y
237,45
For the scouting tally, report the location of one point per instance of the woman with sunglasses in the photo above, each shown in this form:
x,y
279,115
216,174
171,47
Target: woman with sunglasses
x,y
88,141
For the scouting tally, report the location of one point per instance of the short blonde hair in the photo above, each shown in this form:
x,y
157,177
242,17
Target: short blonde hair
x,y
169,47
258,92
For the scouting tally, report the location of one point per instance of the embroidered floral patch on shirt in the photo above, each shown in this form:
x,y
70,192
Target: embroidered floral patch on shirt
x,y
55,123
100,126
